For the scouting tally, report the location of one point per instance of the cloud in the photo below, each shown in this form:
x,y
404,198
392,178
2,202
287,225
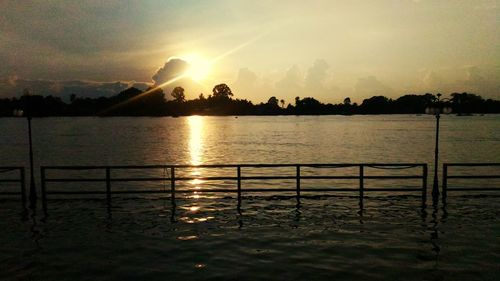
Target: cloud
x,y
12,86
12,80
433,82
316,76
486,6
172,69
245,85
291,84
246,78
139,85
371,86
480,80
473,75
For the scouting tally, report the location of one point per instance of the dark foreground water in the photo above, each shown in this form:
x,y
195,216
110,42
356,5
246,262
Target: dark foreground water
x,y
326,238
205,237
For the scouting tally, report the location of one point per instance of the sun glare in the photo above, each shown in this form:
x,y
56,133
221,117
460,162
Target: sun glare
x,y
199,67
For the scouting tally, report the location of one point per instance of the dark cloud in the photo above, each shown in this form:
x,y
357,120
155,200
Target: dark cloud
x,y
13,86
173,68
140,85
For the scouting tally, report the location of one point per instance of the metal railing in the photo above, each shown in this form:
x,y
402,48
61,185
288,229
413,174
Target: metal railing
x,y
20,180
238,178
446,177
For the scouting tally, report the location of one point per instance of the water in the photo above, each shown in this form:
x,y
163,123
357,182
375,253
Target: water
x,y
270,139
206,237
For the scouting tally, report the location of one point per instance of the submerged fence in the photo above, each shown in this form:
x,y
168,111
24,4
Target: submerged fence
x,y
20,179
16,175
238,178
468,176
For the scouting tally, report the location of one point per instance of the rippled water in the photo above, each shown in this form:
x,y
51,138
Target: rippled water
x,y
327,237
206,237
269,139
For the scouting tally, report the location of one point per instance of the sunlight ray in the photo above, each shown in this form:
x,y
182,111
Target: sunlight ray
x,y
144,93
186,74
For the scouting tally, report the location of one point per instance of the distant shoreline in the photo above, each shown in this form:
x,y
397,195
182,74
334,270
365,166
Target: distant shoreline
x,y
152,102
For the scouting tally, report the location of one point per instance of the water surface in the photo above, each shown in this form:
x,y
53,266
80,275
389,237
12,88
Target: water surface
x,y
206,237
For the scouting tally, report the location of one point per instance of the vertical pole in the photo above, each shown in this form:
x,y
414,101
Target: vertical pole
x,y
172,185
361,184
298,183
108,185
435,186
445,182
44,193
22,181
424,183
239,185
32,195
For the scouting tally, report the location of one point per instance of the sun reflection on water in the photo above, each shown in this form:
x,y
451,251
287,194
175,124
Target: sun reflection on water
x,y
194,208
196,131
195,141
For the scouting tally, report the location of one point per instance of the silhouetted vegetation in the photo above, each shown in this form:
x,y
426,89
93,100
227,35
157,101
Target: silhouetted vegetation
x,y
134,102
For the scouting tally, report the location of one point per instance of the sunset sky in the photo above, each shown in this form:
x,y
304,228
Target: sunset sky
x,y
328,49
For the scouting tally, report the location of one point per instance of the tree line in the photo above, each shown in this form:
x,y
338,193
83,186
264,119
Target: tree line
x,y
152,102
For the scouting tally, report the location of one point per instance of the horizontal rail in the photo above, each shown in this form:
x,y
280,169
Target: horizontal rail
x,y
472,164
475,177
11,180
172,169
20,179
9,193
446,177
225,178
473,189
311,165
225,190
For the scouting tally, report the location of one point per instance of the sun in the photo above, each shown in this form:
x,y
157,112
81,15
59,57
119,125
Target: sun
x,y
199,67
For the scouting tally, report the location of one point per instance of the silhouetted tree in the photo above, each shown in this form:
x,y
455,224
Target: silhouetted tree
x,y
222,92
376,105
308,105
273,102
412,103
178,94
466,103
134,102
347,101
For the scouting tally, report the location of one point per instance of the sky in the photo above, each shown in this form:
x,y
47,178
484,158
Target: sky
x,y
328,49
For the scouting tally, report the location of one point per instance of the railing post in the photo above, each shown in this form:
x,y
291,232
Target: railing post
x,y
22,181
445,181
172,185
298,182
108,185
424,183
361,183
43,189
239,185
